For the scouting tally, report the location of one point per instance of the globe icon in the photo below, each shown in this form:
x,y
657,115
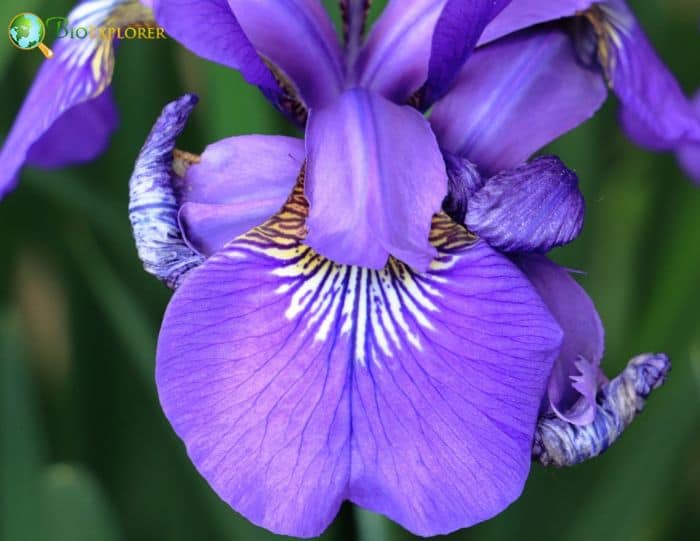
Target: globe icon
x,y
27,32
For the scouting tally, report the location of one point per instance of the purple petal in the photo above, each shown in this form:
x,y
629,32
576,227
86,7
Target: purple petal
x,y
655,113
79,71
532,208
153,205
576,375
244,166
689,153
372,194
515,96
297,36
463,181
59,146
394,61
521,14
354,13
186,21
238,184
456,34
296,383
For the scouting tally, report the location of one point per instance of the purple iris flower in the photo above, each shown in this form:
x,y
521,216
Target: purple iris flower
x,y
654,112
69,113
335,334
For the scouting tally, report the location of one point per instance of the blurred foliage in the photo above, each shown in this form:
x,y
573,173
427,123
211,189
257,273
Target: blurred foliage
x,y
85,452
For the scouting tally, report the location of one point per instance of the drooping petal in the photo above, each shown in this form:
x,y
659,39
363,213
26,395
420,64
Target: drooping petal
x,y
375,177
521,14
532,208
237,184
394,61
186,21
457,32
689,153
296,382
571,393
297,36
515,96
80,71
95,119
153,206
654,113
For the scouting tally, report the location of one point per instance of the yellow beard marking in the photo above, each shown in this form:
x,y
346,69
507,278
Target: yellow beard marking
x,y
607,26
372,307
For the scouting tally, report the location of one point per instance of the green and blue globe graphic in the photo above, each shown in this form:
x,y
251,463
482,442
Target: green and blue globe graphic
x,y
26,31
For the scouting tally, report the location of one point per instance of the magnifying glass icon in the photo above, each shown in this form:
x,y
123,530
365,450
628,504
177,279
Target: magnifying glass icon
x,y
27,31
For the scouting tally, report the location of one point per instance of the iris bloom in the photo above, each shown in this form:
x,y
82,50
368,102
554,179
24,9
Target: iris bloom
x,y
654,111
69,113
367,314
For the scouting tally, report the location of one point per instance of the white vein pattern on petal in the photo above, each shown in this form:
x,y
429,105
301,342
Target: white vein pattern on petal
x,y
373,305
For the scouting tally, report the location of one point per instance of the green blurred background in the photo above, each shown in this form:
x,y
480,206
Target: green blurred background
x,y
85,452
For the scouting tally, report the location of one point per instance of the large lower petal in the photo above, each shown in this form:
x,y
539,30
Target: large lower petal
x,y
515,96
521,14
457,32
297,36
46,130
237,184
576,376
655,112
394,61
374,178
531,208
297,383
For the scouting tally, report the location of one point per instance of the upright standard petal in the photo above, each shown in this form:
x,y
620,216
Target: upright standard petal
x,y
372,194
689,153
515,96
297,383
45,131
187,21
457,32
576,376
655,113
298,37
237,183
521,14
153,205
394,61
354,13
532,208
